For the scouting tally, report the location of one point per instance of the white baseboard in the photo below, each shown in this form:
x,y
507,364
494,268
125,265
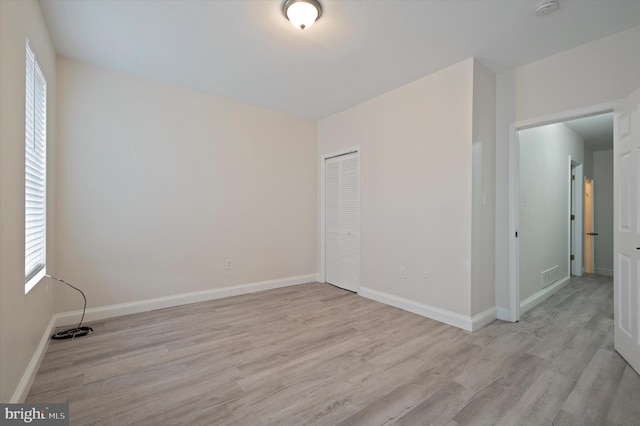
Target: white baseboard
x,y
483,318
457,320
603,271
542,295
111,311
22,390
503,313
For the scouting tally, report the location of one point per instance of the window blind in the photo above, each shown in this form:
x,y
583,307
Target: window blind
x,y
35,167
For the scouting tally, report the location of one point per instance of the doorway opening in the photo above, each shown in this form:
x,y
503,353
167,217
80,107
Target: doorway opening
x,y
547,219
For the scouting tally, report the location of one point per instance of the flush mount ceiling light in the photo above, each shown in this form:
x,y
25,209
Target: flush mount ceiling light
x,y
302,13
545,7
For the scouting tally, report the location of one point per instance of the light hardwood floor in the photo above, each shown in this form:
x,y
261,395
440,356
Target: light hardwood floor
x,y
315,354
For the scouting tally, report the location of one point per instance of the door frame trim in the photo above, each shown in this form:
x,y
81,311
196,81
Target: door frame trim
x,y
514,189
322,226
577,208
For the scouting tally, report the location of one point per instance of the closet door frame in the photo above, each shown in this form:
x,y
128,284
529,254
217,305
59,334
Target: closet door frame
x,y
322,194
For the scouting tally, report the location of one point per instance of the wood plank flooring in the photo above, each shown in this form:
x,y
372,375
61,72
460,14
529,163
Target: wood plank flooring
x,y
314,354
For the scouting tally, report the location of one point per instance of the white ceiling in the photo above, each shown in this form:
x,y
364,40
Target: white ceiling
x,y
596,131
247,51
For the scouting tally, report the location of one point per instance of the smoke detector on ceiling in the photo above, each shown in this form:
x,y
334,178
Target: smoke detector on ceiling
x,y
545,7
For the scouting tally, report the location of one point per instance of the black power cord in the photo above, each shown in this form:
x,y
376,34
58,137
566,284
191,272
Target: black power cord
x,y
78,331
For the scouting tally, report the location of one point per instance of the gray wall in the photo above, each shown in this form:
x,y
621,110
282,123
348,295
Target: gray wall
x,y
544,202
587,170
159,185
24,317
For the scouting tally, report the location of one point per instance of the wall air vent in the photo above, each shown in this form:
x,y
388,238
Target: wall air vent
x,y
550,276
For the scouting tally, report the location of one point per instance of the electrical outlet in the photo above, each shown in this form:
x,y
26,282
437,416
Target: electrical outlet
x,y
427,277
403,272
227,264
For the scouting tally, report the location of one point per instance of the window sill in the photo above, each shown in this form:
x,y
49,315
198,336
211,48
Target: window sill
x,y
35,280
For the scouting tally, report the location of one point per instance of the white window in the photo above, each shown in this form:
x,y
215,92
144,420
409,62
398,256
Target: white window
x,y
35,172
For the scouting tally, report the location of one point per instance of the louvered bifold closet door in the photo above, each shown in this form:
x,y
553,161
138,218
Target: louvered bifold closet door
x,y
332,220
342,221
349,223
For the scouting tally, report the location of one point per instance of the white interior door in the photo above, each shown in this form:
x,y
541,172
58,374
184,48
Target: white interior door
x,y
627,226
589,233
342,221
